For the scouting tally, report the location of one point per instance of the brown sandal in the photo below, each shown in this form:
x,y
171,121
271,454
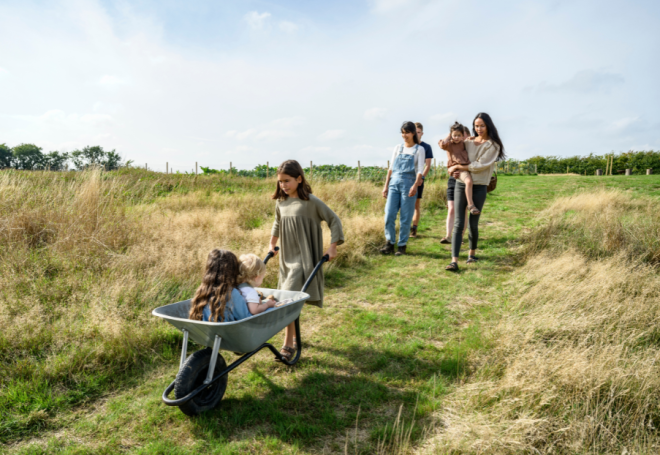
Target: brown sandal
x,y
474,210
287,353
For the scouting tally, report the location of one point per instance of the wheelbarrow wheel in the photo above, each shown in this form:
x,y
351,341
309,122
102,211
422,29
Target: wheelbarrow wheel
x,y
192,375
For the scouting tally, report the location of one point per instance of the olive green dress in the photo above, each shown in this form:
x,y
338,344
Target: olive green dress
x,y
298,226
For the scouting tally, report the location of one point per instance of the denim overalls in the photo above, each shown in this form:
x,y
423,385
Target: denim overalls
x,y
403,178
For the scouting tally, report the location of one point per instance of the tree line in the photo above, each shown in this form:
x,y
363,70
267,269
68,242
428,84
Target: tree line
x,y
30,157
638,162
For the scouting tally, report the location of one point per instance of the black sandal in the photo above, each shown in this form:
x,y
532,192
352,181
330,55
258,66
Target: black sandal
x,y
287,354
452,267
471,259
445,241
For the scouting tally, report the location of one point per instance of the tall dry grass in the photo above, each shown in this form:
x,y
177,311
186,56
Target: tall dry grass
x,y
599,224
575,366
85,257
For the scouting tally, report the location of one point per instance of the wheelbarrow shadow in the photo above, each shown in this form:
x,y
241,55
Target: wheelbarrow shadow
x,y
320,398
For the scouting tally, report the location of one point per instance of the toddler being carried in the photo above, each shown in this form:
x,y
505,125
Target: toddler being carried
x,y
457,154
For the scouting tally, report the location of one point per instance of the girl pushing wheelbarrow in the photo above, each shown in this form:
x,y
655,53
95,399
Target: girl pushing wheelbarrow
x,y
220,316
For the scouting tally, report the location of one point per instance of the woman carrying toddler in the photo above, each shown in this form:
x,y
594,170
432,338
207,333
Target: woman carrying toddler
x,y
484,151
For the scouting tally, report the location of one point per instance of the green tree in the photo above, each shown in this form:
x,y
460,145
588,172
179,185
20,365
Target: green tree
x,y
112,161
27,156
55,161
5,156
95,156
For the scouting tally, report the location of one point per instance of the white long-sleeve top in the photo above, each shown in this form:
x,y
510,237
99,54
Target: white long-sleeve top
x,y
417,150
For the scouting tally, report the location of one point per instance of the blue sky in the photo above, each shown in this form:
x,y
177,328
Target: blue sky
x,y
254,81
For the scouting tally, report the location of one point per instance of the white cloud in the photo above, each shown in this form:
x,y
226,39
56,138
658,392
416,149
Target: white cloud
x,y
255,20
230,133
61,118
245,134
625,122
585,81
365,148
273,135
288,122
107,108
375,113
288,27
111,81
386,6
443,118
331,135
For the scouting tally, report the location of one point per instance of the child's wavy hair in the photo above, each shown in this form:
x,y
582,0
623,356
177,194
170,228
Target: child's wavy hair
x,y
220,278
251,267
293,169
457,127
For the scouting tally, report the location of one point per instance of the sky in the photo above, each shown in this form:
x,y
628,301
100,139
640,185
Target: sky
x,y
250,82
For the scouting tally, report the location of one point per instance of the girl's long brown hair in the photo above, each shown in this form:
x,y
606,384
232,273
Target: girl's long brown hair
x,y
292,168
220,278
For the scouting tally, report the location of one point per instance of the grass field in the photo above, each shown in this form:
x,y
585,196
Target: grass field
x,y
548,345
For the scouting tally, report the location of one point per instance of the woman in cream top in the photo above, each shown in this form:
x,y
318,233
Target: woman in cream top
x,y
484,151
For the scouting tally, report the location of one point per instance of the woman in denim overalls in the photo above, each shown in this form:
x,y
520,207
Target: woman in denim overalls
x,y
403,178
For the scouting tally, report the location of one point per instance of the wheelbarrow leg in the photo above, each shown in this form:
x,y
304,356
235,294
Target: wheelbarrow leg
x,y
298,339
214,357
184,349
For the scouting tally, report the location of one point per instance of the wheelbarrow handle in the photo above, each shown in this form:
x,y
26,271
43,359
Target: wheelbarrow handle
x,y
270,255
325,258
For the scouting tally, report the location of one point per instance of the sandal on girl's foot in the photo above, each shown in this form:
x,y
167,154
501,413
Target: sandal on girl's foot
x,y
471,259
445,241
287,353
452,267
474,210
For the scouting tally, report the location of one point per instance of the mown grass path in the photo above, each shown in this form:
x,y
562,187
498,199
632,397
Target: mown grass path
x,y
396,331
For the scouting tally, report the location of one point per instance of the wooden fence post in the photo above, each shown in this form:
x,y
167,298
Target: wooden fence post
x,y
230,166
359,171
195,167
599,172
267,166
388,164
311,170
649,171
167,167
628,171
146,168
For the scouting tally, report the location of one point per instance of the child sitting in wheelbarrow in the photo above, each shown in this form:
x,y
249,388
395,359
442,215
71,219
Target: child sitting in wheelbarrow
x,y
253,272
218,298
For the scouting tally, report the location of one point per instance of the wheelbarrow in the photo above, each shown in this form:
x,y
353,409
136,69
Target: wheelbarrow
x,y
202,378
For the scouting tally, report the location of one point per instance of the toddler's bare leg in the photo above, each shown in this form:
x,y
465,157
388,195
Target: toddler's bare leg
x,y
468,190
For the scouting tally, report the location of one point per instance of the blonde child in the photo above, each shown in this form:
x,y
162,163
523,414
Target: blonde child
x,y
252,274
297,226
217,299
457,155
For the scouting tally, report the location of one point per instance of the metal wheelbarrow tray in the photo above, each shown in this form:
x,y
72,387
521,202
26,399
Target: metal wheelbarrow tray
x,y
198,387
